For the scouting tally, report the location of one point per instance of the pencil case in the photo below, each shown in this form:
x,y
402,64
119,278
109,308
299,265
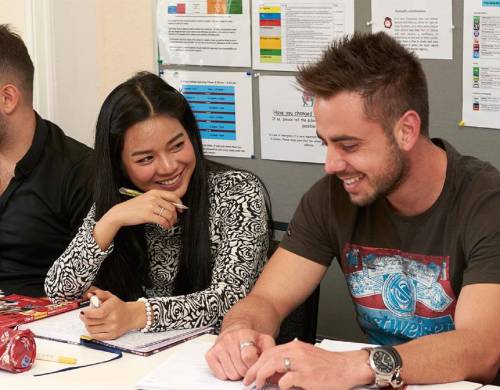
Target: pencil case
x,y
17,349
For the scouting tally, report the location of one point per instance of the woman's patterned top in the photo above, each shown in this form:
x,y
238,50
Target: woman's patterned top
x,y
238,241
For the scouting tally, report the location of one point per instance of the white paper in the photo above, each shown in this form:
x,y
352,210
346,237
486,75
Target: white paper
x,y
422,26
204,32
288,127
186,370
343,346
287,33
222,105
481,63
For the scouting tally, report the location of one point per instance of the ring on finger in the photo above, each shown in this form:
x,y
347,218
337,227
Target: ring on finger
x,y
288,364
246,343
161,211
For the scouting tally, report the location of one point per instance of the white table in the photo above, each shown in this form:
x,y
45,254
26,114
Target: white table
x,y
120,374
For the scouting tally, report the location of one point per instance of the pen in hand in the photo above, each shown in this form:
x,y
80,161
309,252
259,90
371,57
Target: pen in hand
x,y
95,302
134,193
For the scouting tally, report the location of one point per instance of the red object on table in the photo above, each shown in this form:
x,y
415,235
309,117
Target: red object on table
x,y
17,349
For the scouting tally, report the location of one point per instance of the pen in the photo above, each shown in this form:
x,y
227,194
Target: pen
x,y
55,358
133,193
95,302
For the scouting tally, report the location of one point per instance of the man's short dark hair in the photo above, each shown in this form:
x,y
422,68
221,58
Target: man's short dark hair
x,y
388,76
15,60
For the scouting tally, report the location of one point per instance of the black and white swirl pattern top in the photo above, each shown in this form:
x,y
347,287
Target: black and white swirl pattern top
x,y
239,242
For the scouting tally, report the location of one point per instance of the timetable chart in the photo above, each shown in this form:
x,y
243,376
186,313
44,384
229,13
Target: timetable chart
x,y
214,109
270,34
210,7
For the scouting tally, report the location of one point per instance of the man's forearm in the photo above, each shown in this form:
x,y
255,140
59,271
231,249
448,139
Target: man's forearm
x,y
255,313
450,357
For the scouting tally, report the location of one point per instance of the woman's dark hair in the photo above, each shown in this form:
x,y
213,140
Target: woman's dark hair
x,y
125,270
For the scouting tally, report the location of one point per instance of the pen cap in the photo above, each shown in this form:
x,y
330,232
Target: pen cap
x,y
17,349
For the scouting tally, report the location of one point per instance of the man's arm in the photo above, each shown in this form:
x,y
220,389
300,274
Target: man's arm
x,y
471,351
286,281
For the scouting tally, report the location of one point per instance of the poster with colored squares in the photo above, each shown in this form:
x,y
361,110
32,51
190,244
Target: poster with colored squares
x,y
288,33
204,32
221,105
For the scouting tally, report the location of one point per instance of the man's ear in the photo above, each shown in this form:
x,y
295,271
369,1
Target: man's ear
x,y
407,130
10,98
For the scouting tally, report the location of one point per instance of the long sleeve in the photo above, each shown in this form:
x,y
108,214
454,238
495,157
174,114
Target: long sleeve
x,y
76,269
239,238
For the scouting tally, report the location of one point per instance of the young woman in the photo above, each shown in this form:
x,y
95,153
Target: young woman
x,y
186,266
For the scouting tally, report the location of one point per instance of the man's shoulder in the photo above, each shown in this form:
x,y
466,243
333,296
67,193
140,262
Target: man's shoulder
x,y
66,147
328,188
471,172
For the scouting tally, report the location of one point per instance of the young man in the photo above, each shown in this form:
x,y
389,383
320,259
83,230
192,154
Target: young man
x,y
414,225
45,178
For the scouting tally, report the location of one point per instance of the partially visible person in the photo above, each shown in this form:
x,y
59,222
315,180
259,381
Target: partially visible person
x,y
414,224
45,178
162,266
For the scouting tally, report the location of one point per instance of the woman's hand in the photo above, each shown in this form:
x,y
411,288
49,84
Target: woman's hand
x,y
113,318
154,206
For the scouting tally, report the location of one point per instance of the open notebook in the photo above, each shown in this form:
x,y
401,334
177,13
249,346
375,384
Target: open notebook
x,y
69,328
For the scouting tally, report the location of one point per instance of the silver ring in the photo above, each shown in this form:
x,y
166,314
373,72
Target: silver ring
x,y
288,364
161,211
247,343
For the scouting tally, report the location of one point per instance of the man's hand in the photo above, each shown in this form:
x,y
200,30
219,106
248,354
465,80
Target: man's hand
x,y
298,364
113,318
235,351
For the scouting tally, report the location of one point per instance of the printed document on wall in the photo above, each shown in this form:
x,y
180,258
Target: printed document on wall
x,y
204,32
424,26
481,64
287,33
288,127
222,105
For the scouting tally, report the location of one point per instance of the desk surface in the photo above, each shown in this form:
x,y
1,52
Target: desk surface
x,y
122,374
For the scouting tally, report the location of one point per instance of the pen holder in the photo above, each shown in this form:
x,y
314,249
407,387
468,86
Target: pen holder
x,y
17,349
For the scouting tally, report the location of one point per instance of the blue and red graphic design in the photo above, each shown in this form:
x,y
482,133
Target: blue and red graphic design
x,y
399,296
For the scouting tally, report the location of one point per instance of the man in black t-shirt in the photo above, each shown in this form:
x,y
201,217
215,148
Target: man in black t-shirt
x,y
414,225
45,178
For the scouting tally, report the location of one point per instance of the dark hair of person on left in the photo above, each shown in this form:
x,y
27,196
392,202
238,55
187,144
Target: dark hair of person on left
x,y
15,60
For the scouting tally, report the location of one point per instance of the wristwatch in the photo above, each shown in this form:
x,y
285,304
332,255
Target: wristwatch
x,y
386,363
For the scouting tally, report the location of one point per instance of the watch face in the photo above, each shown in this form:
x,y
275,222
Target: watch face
x,y
384,361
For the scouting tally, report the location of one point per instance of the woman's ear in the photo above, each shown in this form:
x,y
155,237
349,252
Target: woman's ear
x,y
407,130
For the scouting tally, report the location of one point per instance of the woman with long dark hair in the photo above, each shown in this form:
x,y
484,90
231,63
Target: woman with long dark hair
x,y
163,266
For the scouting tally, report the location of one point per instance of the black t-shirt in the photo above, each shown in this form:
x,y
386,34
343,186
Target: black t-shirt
x,y
405,273
42,207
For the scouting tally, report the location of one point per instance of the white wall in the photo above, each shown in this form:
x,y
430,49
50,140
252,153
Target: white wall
x,y
81,50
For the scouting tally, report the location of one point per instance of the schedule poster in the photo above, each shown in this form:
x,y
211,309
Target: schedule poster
x,y
481,64
204,32
221,103
288,127
296,32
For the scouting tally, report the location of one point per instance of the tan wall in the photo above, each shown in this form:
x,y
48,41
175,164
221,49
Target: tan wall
x,y
13,13
126,41
97,44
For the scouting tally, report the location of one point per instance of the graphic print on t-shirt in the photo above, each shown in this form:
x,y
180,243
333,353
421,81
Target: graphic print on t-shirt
x,y
399,296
